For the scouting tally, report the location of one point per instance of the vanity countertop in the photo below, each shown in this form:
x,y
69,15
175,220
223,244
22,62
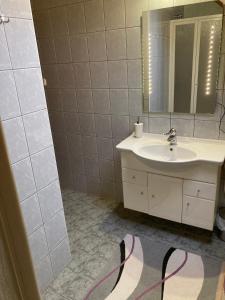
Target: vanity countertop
x,y
155,147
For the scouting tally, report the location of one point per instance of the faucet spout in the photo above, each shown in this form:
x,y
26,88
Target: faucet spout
x,y
172,136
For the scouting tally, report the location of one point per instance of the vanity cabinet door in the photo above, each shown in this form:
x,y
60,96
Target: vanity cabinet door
x,y
135,197
198,212
165,197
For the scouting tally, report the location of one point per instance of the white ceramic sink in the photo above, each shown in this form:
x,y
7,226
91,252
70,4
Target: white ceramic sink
x,y
166,153
154,147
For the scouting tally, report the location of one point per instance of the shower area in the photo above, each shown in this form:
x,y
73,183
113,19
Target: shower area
x,y
87,90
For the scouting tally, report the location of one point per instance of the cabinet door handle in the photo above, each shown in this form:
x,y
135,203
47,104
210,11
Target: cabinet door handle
x,y
153,196
142,193
188,204
133,177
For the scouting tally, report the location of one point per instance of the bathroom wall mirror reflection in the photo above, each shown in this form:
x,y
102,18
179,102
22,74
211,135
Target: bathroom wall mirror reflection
x,y
181,50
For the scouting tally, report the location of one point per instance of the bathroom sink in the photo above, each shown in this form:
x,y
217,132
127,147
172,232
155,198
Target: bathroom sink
x,y
156,148
166,153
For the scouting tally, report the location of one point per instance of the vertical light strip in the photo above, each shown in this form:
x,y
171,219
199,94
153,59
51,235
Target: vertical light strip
x,y
149,64
208,81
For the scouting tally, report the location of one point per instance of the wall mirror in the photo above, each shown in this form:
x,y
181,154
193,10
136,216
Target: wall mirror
x,y
181,50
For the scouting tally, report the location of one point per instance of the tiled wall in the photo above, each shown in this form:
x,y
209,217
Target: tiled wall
x,y
25,121
91,56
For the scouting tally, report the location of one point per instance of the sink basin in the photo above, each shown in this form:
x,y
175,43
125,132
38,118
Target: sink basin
x,y
155,148
166,153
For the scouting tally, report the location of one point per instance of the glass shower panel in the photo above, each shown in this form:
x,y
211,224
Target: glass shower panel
x,y
184,47
210,38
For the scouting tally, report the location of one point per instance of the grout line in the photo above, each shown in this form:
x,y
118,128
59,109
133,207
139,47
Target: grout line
x,y
30,155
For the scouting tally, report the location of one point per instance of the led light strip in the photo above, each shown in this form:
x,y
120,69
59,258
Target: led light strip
x,y
149,64
209,63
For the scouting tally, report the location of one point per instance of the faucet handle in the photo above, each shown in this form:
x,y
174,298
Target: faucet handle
x,y
172,131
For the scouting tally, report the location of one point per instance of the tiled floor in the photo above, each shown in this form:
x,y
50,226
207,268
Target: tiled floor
x,y
95,227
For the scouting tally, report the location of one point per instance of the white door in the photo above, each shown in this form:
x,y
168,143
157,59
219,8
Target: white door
x,y
165,197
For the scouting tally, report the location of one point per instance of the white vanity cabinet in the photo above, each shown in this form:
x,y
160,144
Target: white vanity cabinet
x,y
165,197
186,195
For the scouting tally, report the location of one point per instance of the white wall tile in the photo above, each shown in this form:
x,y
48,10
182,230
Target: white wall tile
x,y
82,75
15,139
38,245
89,145
134,73
99,75
101,101
119,101
103,125
133,43
105,148
117,74
31,214
22,43
120,126
24,178
59,21
87,124
114,14
9,106
84,101
159,125
30,89
206,129
68,99
76,20
55,230
79,49
97,46
66,76
77,165
44,167
135,102
50,200
44,273
94,15
71,121
60,257
62,49
92,167
116,44
19,9
106,170
134,11
74,144
4,54
38,131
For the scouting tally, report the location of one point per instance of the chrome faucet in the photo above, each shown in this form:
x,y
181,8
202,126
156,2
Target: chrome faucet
x,y
172,136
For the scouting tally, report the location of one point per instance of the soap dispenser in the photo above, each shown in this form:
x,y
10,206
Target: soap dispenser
x,y
138,129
